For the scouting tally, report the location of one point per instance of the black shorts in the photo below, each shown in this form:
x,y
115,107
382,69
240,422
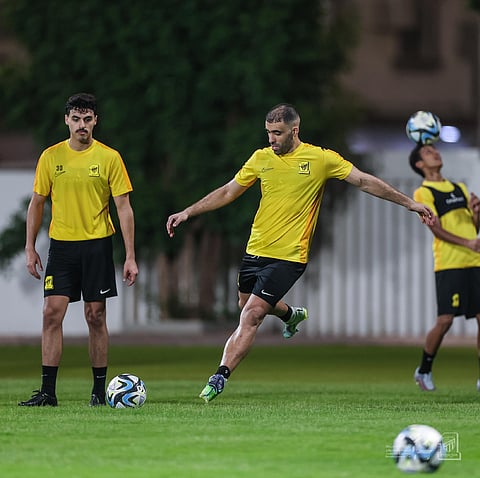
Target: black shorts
x,y
269,279
458,291
81,269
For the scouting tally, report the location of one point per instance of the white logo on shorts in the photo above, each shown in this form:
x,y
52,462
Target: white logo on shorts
x,y
266,293
104,291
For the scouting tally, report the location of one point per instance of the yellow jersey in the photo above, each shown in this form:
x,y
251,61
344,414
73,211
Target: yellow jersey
x,y
455,216
80,184
292,187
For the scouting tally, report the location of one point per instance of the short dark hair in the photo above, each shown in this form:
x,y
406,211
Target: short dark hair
x,y
283,112
81,102
415,157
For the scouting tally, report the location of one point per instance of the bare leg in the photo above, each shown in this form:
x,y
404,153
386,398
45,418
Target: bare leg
x,y
54,309
96,317
280,309
436,334
240,342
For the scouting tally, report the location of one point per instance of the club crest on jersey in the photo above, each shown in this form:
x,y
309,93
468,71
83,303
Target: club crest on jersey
x,y
304,167
94,170
49,283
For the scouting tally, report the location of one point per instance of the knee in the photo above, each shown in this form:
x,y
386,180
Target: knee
x,y
95,317
252,316
445,322
52,316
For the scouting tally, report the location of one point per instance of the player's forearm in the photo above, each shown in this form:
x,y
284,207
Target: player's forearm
x,y
446,236
33,224
215,200
379,188
127,226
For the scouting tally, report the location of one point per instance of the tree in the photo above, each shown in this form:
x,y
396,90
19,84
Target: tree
x,y
183,88
474,4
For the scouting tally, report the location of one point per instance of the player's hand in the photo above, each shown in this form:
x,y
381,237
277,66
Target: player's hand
x,y
425,213
34,263
174,220
130,272
474,203
474,245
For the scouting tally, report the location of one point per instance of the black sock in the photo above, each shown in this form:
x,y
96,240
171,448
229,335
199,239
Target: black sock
x,y
427,361
49,380
224,370
99,380
287,316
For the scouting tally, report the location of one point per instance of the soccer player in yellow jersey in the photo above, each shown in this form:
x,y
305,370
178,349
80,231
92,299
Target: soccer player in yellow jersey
x,y
292,177
80,175
456,249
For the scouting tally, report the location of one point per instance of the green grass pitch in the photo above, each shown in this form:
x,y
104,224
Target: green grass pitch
x,y
290,411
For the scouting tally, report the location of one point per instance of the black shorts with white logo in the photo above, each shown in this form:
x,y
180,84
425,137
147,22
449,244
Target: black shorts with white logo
x,y
81,269
458,291
267,278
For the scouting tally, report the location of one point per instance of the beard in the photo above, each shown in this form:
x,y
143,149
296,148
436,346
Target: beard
x,y
286,146
83,138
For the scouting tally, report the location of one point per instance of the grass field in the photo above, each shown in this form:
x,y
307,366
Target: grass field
x,y
288,411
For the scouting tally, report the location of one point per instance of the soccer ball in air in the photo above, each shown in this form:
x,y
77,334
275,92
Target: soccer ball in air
x,y
126,391
418,448
423,127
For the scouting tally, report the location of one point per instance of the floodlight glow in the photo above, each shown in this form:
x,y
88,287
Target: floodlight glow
x,y
450,134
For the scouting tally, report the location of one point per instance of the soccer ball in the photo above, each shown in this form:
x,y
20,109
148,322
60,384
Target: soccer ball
x,y
418,448
126,391
423,127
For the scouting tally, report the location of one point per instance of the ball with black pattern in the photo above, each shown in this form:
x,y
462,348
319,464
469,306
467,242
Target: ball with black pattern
x,y
126,391
423,127
418,448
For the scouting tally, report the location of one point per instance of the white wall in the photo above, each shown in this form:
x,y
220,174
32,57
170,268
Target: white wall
x,y
21,295
376,281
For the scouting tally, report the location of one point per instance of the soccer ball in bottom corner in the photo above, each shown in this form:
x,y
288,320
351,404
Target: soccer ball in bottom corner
x,y
126,391
418,448
423,127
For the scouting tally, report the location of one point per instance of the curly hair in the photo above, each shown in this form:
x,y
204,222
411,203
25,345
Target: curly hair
x,y
81,102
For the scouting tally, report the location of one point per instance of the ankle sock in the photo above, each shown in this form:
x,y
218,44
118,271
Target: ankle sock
x,y
427,362
287,316
224,370
49,380
99,380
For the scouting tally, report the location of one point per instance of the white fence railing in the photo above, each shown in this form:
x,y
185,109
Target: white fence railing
x,y
375,280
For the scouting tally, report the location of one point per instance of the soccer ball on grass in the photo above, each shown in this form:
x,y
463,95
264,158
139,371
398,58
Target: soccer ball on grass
x,y
423,127
126,391
418,448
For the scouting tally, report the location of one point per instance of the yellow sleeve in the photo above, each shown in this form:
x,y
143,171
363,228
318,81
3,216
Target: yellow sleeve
x,y
248,174
119,180
42,183
425,196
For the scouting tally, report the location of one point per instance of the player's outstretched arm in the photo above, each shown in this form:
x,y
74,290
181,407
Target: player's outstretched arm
x,y
215,200
379,188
